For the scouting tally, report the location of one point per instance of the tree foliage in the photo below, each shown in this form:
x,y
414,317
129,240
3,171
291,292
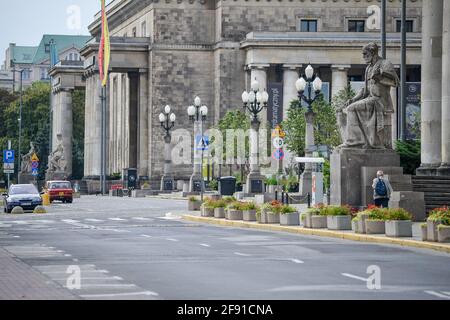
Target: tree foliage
x,y
410,155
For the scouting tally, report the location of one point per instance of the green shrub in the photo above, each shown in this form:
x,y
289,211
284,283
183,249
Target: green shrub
x,y
409,152
377,214
214,185
220,204
337,211
237,205
440,215
209,203
398,215
229,200
272,181
273,207
193,199
288,210
249,206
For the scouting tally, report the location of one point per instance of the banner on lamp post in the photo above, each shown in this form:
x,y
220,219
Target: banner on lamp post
x,y
275,104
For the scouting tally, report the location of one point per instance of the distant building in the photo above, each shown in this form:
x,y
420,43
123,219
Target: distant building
x,y
36,60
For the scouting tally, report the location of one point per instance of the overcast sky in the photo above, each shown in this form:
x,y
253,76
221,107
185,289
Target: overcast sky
x,y
25,21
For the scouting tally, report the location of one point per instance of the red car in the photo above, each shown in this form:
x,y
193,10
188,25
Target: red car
x,y
60,191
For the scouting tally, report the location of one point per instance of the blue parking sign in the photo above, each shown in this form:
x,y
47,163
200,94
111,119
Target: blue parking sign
x,y
8,156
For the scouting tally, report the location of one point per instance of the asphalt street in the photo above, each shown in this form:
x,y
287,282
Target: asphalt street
x,y
140,249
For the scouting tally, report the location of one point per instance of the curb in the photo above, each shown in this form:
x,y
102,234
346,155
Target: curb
x,y
322,233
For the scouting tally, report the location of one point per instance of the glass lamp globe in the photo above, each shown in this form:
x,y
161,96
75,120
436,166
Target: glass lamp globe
x,y
191,111
265,97
197,101
255,85
204,111
309,72
300,85
167,109
162,117
245,97
252,97
173,117
258,97
317,84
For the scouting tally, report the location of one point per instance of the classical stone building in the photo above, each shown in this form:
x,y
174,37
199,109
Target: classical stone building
x,y
168,52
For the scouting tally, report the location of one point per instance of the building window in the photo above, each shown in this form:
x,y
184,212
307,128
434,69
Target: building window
x,y
144,29
308,26
134,32
44,73
409,25
356,25
26,74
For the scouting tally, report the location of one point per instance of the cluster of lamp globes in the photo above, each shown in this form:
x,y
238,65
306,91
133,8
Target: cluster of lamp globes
x,y
302,83
163,117
197,109
256,96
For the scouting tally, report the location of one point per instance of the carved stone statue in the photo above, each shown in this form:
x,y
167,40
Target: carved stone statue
x,y
56,160
362,120
26,160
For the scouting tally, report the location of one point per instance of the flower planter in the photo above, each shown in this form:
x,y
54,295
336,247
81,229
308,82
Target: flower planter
x,y
291,219
432,234
308,220
194,205
339,222
398,229
360,226
269,218
424,230
375,227
207,212
303,219
319,222
235,215
219,213
444,234
249,215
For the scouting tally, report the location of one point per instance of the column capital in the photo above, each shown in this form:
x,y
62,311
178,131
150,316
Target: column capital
x,y
295,67
341,67
143,71
259,66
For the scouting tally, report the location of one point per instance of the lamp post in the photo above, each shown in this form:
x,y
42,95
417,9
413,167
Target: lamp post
x,y
255,102
20,121
167,120
197,114
307,85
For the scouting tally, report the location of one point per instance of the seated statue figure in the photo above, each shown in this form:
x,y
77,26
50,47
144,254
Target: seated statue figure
x,y
362,119
56,160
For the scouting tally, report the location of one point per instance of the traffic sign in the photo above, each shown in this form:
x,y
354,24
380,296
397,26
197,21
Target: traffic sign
x,y
201,143
35,158
8,166
278,154
8,156
8,171
278,132
35,172
34,165
278,143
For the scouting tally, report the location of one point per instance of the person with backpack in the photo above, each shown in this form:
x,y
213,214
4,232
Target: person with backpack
x,y
382,190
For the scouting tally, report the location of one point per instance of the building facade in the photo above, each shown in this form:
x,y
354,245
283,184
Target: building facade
x,y
168,52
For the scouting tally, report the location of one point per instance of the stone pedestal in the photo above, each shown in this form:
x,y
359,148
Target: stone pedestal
x,y
167,183
26,178
56,176
255,183
347,174
413,202
195,183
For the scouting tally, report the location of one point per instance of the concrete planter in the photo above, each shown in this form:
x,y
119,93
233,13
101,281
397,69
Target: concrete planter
x,y
360,225
308,220
424,233
432,233
303,219
249,215
207,212
269,218
291,219
235,215
339,222
444,234
375,227
399,229
219,213
319,222
194,205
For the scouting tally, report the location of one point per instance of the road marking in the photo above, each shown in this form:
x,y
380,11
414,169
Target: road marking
x,y
16,237
297,261
19,222
83,271
354,277
142,219
173,240
93,220
442,295
67,255
146,236
86,286
205,245
70,221
146,293
117,219
242,254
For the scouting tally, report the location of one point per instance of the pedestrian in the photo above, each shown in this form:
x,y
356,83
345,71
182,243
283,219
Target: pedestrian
x,y
382,190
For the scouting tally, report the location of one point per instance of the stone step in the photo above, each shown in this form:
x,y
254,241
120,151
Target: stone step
x,y
431,178
432,187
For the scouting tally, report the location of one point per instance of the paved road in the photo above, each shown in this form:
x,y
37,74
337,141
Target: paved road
x,y
140,249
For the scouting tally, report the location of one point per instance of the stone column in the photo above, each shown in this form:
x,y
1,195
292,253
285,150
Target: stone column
x,y
306,178
444,170
255,181
66,121
259,73
167,181
196,178
432,12
339,78
143,124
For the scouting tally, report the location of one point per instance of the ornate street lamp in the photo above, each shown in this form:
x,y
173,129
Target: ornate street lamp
x,y
197,114
255,102
167,120
307,85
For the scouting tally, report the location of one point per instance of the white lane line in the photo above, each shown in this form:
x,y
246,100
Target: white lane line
x,y
205,245
19,222
439,295
70,221
173,240
146,236
297,261
348,275
117,219
144,293
67,255
82,271
93,220
242,254
86,286
142,219
16,237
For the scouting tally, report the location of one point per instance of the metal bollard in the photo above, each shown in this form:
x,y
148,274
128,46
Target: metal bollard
x,y
276,195
309,200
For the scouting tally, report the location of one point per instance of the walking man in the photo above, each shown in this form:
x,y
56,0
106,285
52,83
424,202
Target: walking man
x,y
382,190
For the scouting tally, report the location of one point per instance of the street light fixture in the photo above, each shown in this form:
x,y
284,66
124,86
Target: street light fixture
x,y
307,85
167,120
198,114
255,102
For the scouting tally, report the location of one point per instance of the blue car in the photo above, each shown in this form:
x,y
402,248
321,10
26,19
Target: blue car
x,y
22,195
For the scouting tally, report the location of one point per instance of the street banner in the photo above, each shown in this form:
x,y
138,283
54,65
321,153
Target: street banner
x,y
413,97
275,104
104,54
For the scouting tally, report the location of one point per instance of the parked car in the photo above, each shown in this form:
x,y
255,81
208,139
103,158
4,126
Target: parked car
x,y
60,191
22,195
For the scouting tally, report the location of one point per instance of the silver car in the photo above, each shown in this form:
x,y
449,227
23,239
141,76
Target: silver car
x,y
22,195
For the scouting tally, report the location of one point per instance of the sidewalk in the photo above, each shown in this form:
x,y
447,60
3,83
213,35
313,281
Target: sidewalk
x,y
18,281
346,235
